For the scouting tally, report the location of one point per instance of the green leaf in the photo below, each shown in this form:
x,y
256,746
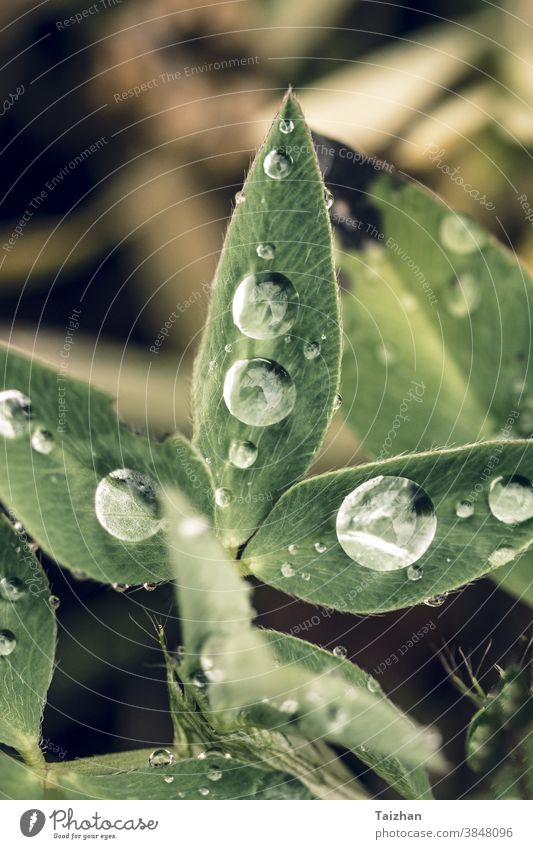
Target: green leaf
x,y
129,776
410,783
462,549
53,494
238,678
283,414
17,780
517,578
28,636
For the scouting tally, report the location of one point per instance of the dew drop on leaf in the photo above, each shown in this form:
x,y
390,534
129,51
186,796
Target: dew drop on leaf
x,y
265,305
287,570
414,573
436,600
8,643
266,250
42,441
463,296
320,547
340,651
293,548
149,587
337,401
223,497
372,685
286,126
160,757
311,350
305,576
511,499
203,791
242,454
11,589
277,164
259,392
239,198
168,779
120,588
328,197
460,235
54,601
386,523
228,348
127,507
15,413
501,556
464,509
214,773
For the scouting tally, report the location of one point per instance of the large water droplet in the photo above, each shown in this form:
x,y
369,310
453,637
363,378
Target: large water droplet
x,y
223,497
127,507
11,589
386,523
266,250
242,454
311,350
511,499
501,556
161,757
464,509
277,164
8,643
15,413
265,305
460,235
259,392
463,296
42,441
287,570
286,126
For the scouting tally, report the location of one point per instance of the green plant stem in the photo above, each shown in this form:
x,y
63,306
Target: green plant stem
x,y
33,757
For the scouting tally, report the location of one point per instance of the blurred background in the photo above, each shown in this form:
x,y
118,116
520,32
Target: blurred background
x,y
127,129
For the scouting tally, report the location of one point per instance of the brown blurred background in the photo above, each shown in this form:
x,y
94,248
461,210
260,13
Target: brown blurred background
x,y
127,130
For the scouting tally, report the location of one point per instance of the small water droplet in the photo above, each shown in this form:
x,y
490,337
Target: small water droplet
x,y
259,392
168,779
201,756
436,600
54,601
311,350
8,643
150,587
265,305
328,197
501,556
203,791
240,197
228,348
161,757
305,576
372,685
15,413
386,523
242,454
464,509
287,570
212,365
42,441
223,497
286,126
11,589
337,401
287,339
293,548
199,681
460,235
277,164
289,706
266,250
120,588
463,296
320,547
340,651
511,499
207,461
414,573
214,773
127,507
